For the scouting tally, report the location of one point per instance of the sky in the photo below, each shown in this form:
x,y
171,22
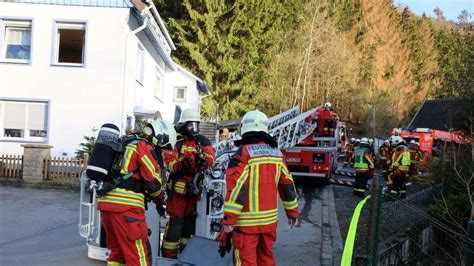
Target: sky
x,y
451,8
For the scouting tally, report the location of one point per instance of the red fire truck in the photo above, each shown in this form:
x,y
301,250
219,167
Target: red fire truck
x,y
316,157
435,142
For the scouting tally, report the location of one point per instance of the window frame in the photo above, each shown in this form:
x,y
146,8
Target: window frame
x,y
140,65
175,98
26,138
3,24
55,42
159,74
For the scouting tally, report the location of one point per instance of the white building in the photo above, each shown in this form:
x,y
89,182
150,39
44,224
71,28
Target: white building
x,y
67,67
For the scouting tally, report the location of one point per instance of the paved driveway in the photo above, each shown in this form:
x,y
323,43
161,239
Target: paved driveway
x,y
39,227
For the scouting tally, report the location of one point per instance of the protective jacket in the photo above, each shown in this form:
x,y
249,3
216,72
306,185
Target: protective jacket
x,y
363,160
384,153
401,159
139,157
256,173
181,174
123,208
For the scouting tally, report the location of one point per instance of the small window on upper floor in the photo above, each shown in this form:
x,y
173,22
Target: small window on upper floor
x,y
180,94
158,82
70,43
140,68
15,40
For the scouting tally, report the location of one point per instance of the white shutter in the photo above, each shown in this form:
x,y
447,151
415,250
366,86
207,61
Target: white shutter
x,y
14,115
37,116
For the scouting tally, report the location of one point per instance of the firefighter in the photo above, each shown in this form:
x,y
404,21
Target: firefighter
x,y
372,146
400,164
256,173
364,166
326,120
349,152
357,144
192,155
122,209
383,155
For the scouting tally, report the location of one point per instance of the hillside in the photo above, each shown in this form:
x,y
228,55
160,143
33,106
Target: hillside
x,y
273,55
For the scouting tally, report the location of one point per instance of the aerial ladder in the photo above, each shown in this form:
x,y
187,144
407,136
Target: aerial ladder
x,y
288,128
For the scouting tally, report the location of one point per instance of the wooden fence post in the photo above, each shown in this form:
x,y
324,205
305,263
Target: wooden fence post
x,y
86,160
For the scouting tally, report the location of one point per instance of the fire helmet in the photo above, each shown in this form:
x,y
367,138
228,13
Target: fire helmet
x,y
254,121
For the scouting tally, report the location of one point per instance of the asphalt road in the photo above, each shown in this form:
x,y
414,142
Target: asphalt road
x,y
40,227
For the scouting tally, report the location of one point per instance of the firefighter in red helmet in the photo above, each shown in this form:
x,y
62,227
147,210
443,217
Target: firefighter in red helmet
x,y
192,155
256,174
122,209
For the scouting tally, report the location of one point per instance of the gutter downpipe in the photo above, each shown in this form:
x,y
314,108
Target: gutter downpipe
x,y
134,32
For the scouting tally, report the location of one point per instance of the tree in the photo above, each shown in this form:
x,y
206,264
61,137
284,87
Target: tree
x,y
87,146
439,13
464,17
228,42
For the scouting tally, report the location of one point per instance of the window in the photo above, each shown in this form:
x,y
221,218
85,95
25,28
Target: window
x,y
70,43
139,64
158,77
180,94
15,40
24,120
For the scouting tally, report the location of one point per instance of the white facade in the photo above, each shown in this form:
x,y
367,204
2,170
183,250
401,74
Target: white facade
x,y
122,76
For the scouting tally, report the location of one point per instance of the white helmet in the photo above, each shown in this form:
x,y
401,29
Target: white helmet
x,y
189,115
412,141
254,121
163,132
396,132
357,140
386,141
353,139
396,140
371,140
364,141
327,105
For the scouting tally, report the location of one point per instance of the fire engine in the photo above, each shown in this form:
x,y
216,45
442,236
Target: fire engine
x,y
316,157
434,142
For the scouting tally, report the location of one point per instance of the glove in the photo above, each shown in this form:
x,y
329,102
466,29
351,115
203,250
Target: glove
x,y
292,221
224,238
187,164
160,205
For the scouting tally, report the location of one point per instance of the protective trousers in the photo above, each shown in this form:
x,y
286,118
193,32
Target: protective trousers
x,y
253,249
181,225
384,167
126,237
399,184
360,184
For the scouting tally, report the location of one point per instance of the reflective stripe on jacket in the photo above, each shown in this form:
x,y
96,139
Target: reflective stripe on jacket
x,y
383,152
363,160
255,175
401,159
138,156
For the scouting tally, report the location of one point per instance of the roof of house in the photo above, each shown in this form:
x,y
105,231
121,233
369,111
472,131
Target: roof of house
x,y
436,114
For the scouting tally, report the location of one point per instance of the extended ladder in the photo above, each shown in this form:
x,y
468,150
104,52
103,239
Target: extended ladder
x,y
227,145
288,128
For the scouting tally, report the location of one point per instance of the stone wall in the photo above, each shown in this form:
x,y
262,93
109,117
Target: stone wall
x,y
33,157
